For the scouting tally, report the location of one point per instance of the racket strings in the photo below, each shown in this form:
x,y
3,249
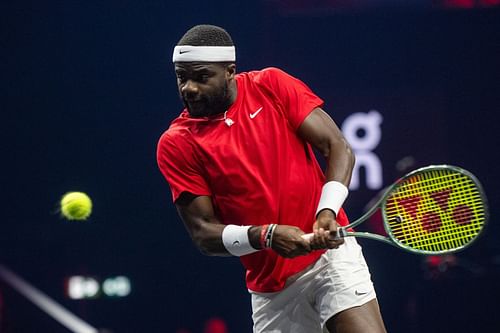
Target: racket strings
x,y
435,210
455,237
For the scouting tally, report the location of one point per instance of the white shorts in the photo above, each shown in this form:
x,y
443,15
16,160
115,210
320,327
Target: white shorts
x,y
339,280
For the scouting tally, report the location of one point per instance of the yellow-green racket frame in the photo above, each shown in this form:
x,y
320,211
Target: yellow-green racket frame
x,y
462,193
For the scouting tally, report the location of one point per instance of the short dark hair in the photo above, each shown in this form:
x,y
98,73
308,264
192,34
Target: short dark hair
x,y
206,35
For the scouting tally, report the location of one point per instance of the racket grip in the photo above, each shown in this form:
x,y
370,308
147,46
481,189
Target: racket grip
x,y
339,234
308,237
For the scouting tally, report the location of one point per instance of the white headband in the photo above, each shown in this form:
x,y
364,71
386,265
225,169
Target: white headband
x,y
188,53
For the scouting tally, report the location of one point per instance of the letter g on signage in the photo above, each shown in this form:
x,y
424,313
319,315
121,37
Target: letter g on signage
x,y
363,132
369,123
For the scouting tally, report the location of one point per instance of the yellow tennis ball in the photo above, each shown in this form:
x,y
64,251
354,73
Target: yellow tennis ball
x,y
76,206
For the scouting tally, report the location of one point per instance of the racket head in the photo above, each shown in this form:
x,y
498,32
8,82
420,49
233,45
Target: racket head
x,y
435,210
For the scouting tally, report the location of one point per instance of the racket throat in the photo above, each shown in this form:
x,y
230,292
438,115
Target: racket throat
x,y
341,233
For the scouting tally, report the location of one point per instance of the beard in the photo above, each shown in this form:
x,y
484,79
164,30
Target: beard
x,y
208,105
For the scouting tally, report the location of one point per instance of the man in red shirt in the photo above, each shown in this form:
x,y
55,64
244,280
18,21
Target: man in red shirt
x,y
240,164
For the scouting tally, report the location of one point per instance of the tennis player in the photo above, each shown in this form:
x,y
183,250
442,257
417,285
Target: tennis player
x,y
240,163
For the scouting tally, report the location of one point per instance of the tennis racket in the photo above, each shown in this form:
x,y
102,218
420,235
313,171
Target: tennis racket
x,y
433,210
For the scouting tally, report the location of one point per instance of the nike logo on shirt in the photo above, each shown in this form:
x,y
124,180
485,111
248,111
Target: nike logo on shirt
x,y
253,115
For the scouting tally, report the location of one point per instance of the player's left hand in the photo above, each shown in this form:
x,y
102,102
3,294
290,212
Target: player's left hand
x,y
325,230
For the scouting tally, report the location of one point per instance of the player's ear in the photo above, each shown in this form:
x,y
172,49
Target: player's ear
x,y
230,71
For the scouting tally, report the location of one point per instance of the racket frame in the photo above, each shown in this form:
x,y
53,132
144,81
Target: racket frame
x,y
381,204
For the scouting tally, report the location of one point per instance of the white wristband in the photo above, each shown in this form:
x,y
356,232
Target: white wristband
x,y
333,196
235,239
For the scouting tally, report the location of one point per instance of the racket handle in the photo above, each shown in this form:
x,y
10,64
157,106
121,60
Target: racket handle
x,y
339,234
308,237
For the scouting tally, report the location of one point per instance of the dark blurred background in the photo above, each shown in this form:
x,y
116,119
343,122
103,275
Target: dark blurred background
x,y
87,88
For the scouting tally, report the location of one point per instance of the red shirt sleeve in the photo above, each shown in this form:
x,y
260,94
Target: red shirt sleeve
x,y
177,161
296,99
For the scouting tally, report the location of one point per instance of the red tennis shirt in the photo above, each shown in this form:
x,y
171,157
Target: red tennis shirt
x,y
257,170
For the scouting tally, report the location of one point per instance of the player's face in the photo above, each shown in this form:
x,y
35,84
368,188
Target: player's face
x,y
203,87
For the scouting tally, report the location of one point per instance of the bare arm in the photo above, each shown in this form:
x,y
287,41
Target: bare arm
x,y
323,134
205,230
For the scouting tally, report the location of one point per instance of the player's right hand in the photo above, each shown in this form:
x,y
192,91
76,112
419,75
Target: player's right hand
x,y
288,242
325,229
